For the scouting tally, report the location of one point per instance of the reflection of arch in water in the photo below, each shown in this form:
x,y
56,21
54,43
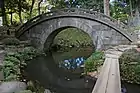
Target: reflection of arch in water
x,y
45,70
72,63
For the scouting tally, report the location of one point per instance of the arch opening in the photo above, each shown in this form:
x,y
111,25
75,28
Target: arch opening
x,y
48,71
70,47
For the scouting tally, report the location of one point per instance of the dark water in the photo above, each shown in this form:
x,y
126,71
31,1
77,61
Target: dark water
x,y
73,60
131,88
47,70
52,73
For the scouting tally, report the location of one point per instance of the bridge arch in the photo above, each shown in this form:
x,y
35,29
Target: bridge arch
x,y
95,24
49,40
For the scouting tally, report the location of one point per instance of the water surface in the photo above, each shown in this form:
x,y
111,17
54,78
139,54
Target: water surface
x,y
47,71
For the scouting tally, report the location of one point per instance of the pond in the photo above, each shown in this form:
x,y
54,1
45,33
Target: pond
x,y
130,88
73,60
61,72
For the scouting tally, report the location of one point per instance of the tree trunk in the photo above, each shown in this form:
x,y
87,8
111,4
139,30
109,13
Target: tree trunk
x,y
131,11
11,19
33,2
39,7
106,7
138,3
19,12
137,14
4,17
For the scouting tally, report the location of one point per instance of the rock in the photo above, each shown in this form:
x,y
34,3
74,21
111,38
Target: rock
x,y
1,47
2,54
47,91
12,87
93,74
26,91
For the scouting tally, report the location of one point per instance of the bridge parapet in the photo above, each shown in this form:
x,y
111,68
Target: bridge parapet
x,y
76,11
73,12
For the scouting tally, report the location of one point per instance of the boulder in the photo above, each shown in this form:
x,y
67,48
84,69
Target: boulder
x,y
25,91
47,91
12,87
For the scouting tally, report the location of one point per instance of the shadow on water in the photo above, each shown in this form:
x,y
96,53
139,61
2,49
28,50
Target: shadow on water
x,y
130,88
45,70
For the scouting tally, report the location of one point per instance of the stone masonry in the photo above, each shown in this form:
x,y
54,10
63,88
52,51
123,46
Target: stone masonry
x,y
103,30
42,35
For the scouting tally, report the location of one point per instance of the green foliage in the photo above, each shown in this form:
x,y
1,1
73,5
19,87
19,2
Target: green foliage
x,y
58,3
35,87
94,61
91,4
132,29
119,12
72,37
130,66
11,41
85,4
14,7
14,63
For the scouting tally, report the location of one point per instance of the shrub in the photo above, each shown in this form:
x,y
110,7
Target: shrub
x,y
94,61
130,66
14,63
11,41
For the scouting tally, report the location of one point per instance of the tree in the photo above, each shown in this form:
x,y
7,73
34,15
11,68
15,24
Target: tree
x,y
31,9
16,7
96,5
19,11
106,7
119,10
131,10
39,2
4,18
22,6
133,5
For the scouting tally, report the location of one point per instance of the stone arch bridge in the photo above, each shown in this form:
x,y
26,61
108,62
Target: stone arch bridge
x,y
104,30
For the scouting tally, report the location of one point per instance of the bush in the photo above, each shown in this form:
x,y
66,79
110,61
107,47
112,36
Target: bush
x,y
14,63
11,41
130,66
94,61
